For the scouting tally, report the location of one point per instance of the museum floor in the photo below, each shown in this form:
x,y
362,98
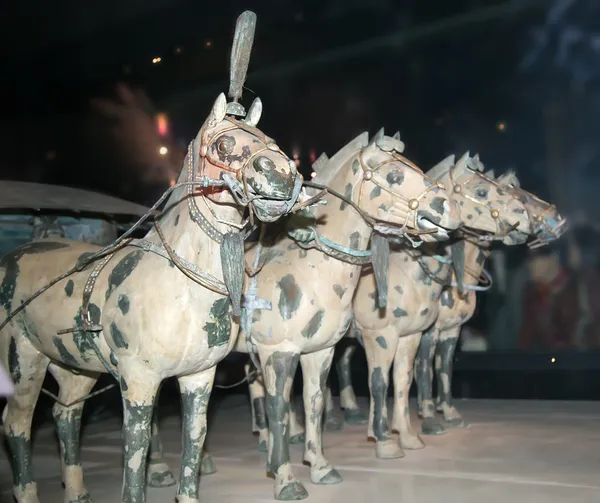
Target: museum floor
x,y
515,451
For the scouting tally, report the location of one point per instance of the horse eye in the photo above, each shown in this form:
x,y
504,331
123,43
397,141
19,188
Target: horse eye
x,y
225,146
482,193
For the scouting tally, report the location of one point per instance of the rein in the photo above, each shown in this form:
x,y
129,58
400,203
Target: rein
x,y
446,282
361,257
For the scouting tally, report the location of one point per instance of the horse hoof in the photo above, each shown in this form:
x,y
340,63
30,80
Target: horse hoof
x,y
83,498
457,422
388,449
159,475
207,466
411,442
330,478
355,416
262,447
333,424
297,439
292,492
432,426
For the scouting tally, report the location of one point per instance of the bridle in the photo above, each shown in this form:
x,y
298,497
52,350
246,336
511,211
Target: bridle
x,y
502,228
238,183
412,204
544,225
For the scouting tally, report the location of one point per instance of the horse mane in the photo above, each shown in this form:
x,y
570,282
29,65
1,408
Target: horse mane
x,y
441,168
327,168
510,177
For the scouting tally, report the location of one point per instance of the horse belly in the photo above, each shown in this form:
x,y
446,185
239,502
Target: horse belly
x,y
334,326
42,322
455,311
188,347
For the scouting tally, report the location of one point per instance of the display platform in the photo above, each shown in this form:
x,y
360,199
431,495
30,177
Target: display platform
x,y
514,451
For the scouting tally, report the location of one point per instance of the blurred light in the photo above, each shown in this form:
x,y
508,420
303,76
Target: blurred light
x,y
208,43
553,360
297,161
162,124
163,150
156,60
312,156
177,50
172,182
313,174
50,155
501,126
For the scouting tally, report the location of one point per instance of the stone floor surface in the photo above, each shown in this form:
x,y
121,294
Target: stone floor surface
x,y
514,451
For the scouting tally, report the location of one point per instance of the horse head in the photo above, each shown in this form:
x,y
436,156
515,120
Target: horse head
x,y
547,223
487,207
256,170
399,196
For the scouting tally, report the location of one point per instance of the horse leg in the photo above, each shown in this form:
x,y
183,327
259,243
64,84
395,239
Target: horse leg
x,y
68,428
403,377
139,388
380,351
158,473
424,377
352,412
445,351
315,368
296,429
278,369
332,421
257,403
27,368
195,394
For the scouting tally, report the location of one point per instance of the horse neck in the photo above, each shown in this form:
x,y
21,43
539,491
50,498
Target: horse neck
x,y
475,258
339,222
184,235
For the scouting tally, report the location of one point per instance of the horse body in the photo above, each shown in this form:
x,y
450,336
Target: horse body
x,y
311,293
147,320
439,341
393,335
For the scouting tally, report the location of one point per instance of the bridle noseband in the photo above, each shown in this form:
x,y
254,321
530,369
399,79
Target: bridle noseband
x,y
502,229
412,204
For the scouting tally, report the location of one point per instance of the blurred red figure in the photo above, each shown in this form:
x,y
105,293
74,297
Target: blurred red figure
x,y
560,307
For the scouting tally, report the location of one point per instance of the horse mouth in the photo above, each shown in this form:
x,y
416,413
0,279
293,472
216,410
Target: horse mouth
x,y
269,210
425,224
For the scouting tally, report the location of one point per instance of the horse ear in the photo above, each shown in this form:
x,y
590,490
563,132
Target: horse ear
x,y
254,113
509,178
218,112
376,137
490,174
463,163
396,136
441,168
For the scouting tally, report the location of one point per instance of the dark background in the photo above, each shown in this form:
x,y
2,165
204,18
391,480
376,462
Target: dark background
x,y
515,80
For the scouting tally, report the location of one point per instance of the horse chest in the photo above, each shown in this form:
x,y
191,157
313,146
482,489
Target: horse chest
x,y
455,310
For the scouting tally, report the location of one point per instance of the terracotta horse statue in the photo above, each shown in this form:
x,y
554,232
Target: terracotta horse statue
x,y
126,302
536,216
413,306
310,276
439,341
416,288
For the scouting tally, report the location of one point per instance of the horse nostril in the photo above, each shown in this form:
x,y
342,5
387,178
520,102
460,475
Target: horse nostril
x,y
262,164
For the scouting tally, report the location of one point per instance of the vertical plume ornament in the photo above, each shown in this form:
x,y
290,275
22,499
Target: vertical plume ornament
x,y
240,59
